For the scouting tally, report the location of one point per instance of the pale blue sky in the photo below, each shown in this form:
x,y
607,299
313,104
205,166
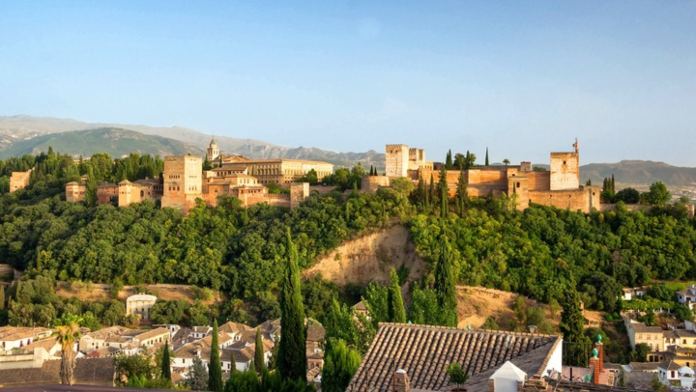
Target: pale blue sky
x,y
519,77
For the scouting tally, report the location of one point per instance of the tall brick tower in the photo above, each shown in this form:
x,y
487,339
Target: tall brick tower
x,y
183,181
565,169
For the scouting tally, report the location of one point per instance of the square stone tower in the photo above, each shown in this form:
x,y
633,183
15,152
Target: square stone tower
x,y
565,169
396,160
183,181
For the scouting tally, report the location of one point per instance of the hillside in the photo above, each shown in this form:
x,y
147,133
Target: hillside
x,y
640,173
16,130
114,141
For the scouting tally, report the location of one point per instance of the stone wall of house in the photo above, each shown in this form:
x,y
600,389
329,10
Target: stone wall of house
x,y
19,180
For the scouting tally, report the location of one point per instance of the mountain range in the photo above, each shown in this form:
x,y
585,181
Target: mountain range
x,y
30,135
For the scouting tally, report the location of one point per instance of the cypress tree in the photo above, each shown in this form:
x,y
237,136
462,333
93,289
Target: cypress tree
x,y
397,312
462,195
431,191
444,196
576,344
486,156
420,192
448,160
214,365
259,358
166,363
445,285
292,360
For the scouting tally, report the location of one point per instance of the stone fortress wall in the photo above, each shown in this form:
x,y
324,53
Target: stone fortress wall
x,y
559,187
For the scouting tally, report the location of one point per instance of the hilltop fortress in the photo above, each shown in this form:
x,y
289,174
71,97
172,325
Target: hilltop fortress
x,y
559,187
184,180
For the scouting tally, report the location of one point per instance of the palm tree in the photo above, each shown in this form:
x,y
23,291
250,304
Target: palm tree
x,y
66,335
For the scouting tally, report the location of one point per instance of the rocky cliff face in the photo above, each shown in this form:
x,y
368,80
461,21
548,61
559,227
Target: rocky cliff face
x,y
369,258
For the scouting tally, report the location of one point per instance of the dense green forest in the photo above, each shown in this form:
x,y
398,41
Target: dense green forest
x,y
541,252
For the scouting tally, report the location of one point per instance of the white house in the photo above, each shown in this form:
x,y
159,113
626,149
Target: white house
x,y
687,297
507,378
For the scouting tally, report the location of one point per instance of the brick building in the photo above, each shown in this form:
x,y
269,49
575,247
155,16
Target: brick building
x,y
19,180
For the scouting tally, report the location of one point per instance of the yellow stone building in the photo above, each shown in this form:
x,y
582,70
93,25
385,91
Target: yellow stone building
x,y
19,180
279,171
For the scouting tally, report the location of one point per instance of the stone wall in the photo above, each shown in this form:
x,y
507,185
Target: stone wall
x,y
19,180
183,181
583,199
565,171
75,192
107,193
396,160
372,183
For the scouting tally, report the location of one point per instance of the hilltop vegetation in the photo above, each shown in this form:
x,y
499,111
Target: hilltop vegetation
x,y
542,252
113,141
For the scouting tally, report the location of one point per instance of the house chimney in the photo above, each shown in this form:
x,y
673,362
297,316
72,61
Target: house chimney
x,y
400,381
595,369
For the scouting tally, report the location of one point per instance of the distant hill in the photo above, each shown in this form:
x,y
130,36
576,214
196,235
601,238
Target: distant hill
x,y
640,173
115,141
14,130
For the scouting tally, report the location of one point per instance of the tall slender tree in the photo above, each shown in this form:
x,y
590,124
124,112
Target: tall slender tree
x,y
166,363
292,357
397,312
214,366
462,195
445,284
576,344
431,192
444,196
487,163
259,357
448,160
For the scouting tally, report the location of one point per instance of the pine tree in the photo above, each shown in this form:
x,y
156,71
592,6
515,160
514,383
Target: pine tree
x,y
576,344
214,366
397,312
462,195
445,285
448,160
259,357
292,360
166,363
444,196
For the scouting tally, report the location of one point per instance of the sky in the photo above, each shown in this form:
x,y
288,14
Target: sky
x,y
520,77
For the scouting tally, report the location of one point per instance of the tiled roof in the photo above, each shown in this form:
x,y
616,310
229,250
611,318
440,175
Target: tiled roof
x,y
425,352
9,333
644,366
144,335
98,371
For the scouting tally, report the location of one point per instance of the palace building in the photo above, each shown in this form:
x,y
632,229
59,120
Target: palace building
x,y
559,187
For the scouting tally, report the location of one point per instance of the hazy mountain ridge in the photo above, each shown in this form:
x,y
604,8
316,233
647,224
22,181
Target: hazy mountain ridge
x,y
640,172
16,129
114,141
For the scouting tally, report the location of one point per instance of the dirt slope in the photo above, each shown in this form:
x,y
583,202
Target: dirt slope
x,y
369,258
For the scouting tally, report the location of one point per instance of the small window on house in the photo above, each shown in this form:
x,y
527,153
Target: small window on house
x,y
564,162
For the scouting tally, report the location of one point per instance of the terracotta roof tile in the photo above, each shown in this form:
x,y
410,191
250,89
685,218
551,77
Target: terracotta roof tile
x,y
426,351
